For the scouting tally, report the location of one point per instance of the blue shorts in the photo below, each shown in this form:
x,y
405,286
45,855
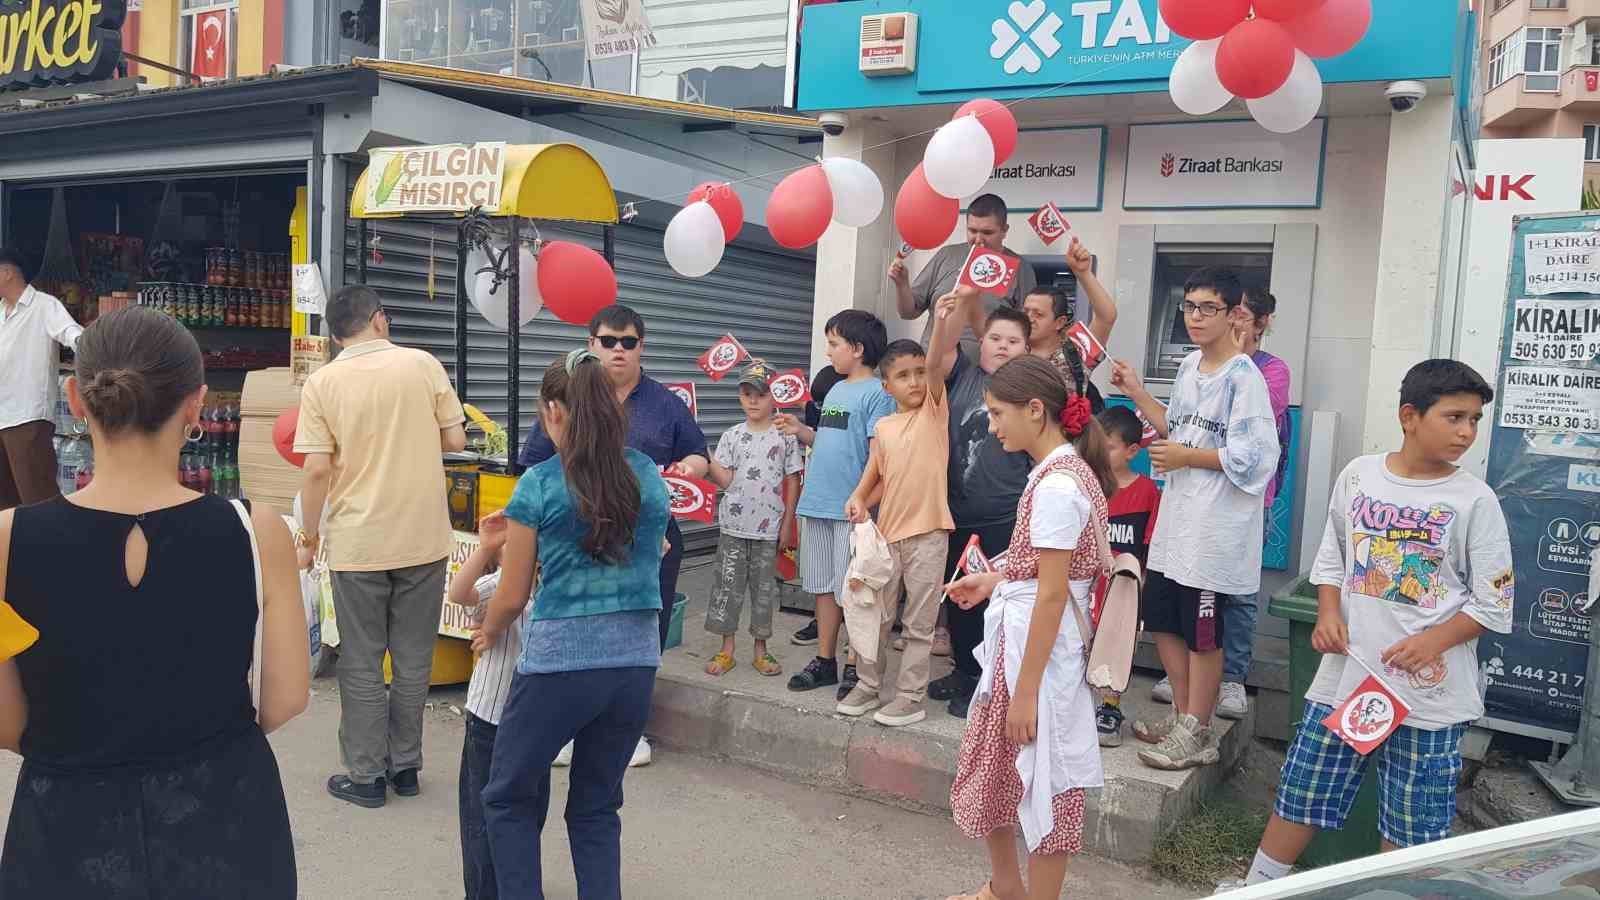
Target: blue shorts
x,y
1417,791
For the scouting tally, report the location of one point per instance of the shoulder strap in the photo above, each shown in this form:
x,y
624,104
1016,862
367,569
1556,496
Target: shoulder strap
x,y
255,651
1102,542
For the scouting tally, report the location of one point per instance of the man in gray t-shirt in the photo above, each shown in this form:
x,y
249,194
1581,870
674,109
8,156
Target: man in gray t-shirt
x,y
986,225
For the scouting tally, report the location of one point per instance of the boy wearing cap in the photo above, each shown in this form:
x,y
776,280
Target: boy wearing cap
x,y
757,467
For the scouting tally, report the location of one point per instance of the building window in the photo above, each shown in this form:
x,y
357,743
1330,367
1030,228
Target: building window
x,y
209,51
1591,143
1548,4
1503,58
1542,60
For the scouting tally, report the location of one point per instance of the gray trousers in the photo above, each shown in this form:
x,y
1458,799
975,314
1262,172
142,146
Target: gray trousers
x,y
745,568
380,730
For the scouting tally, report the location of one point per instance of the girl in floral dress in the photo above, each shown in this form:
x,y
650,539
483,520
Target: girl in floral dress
x,y
1031,748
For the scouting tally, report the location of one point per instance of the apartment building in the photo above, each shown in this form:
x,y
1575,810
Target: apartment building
x,y
1540,73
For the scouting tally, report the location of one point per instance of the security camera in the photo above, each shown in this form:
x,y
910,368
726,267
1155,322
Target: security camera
x,y
1405,95
833,124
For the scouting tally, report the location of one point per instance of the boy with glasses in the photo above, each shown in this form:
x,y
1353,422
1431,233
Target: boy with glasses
x,y
1218,450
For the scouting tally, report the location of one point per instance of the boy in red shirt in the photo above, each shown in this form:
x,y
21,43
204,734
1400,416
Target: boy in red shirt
x,y
1133,520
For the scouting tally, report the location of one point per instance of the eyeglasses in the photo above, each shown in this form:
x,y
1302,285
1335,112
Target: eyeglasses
x,y
610,341
1201,310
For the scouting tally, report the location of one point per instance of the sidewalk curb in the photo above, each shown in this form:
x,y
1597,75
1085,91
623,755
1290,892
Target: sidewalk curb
x,y
911,768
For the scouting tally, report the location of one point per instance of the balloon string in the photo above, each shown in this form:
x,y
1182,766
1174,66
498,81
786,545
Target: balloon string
x,y
632,206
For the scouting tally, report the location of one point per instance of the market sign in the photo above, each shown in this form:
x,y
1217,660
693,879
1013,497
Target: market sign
x,y
46,42
450,178
1223,165
1064,166
615,28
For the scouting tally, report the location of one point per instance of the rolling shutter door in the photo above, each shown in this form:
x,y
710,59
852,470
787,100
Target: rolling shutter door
x,y
763,297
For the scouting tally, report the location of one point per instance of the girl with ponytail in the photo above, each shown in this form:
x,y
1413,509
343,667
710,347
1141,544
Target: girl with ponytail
x,y
593,518
1033,710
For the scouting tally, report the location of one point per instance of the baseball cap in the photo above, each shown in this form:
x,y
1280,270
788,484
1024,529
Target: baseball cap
x,y
757,374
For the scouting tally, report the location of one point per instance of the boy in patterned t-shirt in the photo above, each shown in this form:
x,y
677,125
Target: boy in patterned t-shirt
x,y
758,469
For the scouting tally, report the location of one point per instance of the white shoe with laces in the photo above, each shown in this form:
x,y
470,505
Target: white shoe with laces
x,y
641,755
1233,702
1162,692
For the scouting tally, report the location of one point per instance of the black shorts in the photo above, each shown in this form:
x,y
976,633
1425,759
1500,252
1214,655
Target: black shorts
x,y
1168,607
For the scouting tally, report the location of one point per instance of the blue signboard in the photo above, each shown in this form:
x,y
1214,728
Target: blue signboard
x,y
972,48
1535,674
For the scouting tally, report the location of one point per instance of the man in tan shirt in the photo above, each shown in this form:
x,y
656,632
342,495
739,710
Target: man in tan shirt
x,y
374,423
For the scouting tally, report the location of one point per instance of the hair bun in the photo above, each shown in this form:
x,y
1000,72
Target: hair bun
x,y
115,397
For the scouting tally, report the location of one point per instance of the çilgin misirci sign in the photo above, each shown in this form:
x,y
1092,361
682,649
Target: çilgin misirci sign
x,y
44,42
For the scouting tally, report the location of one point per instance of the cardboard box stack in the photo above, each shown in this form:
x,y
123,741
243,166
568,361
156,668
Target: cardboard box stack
x,y
265,476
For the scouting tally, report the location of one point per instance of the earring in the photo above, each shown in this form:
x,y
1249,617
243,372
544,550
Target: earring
x,y
195,434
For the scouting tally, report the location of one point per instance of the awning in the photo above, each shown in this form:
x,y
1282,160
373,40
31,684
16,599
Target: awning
x,y
559,182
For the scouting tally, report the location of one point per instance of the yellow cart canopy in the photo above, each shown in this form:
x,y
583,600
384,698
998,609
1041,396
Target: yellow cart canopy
x,y
542,181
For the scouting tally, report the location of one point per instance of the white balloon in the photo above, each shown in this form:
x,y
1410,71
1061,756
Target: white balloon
x,y
492,301
1293,106
960,158
857,192
1193,83
695,240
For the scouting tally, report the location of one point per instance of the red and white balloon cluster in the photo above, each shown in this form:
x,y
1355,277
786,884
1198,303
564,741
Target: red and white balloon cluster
x,y
960,160
1261,51
838,189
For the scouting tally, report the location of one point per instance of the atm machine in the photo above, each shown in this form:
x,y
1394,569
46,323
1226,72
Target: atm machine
x,y
1154,261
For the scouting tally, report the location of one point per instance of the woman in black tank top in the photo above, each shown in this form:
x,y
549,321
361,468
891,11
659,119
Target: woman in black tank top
x,y
146,771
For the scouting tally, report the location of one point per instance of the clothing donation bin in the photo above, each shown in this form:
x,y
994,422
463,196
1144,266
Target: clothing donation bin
x,y
1359,837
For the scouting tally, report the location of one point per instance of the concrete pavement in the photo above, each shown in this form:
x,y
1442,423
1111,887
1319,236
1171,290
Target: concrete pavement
x,y
693,828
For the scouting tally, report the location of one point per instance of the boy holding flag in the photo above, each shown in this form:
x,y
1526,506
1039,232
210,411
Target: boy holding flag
x,y
1415,565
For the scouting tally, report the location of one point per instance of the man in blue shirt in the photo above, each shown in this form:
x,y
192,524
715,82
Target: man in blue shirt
x,y
659,425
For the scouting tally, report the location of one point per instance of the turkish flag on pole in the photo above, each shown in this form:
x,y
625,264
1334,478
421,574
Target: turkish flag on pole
x,y
684,390
692,498
209,56
972,561
790,388
720,358
990,271
1090,350
1372,713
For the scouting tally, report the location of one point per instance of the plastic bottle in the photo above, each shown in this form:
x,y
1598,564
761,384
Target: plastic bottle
x,y
69,462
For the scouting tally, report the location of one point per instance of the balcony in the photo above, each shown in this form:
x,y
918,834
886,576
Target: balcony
x,y
1508,105
1576,93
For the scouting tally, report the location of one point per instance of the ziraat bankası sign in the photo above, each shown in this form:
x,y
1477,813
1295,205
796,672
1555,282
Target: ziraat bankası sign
x,y
45,42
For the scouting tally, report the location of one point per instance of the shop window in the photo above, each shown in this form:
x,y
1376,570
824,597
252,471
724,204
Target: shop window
x,y
540,39
1542,60
208,34
1169,333
733,87
1591,143
358,29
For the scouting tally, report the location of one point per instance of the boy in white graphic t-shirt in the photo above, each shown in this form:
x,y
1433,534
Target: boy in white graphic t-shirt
x,y
1219,449
1415,565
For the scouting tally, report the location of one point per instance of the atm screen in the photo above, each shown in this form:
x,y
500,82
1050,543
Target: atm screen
x,y
1169,335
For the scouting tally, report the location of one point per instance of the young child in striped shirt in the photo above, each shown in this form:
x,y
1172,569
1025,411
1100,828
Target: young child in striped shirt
x,y
472,586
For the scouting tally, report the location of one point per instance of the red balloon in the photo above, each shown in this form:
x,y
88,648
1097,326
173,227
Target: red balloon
x,y
1284,10
1255,58
924,219
576,282
1331,29
996,118
800,208
1202,20
283,429
730,209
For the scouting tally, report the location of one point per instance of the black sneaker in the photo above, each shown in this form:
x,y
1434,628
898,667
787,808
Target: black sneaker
x,y
405,783
848,682
1108,721
818,673
951,686
806,636
371,796
960,703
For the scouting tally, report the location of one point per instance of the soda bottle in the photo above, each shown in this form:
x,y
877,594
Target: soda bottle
x,y
204,475
230,430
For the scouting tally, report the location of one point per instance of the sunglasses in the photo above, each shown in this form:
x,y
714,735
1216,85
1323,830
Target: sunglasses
x,y
610,341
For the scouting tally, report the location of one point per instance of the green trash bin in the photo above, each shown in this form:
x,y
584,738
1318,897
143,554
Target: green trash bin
x,y
1359,837
675,624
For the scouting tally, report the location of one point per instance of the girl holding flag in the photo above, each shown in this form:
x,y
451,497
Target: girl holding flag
x,y
1033,712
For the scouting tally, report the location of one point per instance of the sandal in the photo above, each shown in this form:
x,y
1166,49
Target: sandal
x,y
983,894
767,664
721,664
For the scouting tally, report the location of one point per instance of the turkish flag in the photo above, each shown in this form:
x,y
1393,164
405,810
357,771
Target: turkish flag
x,y
1366,720
1049,224
790,388
1591,80
990,271
1089,347
972,561
209,56
720,358
692,498
684,390
1147,432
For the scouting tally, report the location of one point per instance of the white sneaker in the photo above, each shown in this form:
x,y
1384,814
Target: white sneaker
x,y
1162,692
564,758
1233,702
641,755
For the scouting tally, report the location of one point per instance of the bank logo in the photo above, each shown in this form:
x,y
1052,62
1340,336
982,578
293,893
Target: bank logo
x,y
1169,163
1028,30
